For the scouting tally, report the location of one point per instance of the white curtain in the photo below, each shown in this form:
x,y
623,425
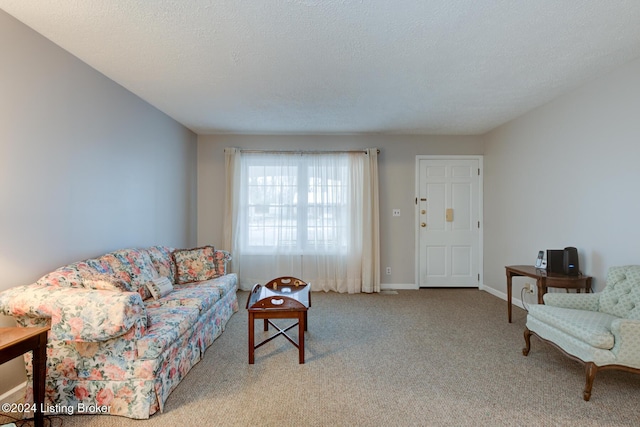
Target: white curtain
x,y
312,216
231,201
370,223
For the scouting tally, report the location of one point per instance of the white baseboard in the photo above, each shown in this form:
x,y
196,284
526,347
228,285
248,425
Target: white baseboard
x,y
8,396
398,286
502,295
413,286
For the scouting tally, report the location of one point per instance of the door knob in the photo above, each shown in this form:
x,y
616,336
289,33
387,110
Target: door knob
x,y
423,224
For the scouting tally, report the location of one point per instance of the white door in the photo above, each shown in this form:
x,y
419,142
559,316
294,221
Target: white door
x,y
448,221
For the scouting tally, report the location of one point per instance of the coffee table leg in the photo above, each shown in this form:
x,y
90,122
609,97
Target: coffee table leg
x,y
301,329
251,338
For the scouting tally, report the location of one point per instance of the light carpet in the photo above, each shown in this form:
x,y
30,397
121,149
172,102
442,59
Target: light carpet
x,y
431,357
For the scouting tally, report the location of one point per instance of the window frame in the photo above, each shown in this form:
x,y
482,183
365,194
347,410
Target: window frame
x,y
301,203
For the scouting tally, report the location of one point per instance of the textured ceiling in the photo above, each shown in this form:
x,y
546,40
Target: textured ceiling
x,y
341,66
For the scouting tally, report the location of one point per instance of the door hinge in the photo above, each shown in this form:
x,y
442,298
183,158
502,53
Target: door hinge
x,y
478,277
478,224
478,171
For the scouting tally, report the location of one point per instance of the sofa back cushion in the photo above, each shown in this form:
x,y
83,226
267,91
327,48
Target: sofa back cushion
x,y
134,266
162,261
68,276
100,265
621,296
105,282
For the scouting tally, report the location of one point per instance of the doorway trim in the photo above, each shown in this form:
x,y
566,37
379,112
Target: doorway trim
x,y
416,211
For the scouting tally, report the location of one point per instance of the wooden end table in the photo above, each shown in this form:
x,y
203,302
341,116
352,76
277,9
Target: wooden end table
x,y
544,280
17,341
283,302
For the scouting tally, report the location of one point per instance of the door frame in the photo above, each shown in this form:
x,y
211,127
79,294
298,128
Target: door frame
x,y
416,211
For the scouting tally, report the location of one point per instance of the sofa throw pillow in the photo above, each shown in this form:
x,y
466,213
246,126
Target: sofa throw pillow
x,y
194,265
105,282
159,287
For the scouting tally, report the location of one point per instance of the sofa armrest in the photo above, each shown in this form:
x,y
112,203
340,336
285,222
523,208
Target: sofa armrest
x,y
626,334
222,258
83,315
589,302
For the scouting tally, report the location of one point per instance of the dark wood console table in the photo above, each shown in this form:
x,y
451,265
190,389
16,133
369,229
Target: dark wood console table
x,y
545,280
17,341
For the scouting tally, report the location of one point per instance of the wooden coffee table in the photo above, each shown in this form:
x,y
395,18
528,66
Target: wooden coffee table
x,y
279,300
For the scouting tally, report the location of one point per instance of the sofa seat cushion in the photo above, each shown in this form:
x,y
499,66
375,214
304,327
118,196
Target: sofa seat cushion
x,y
224,284
201,298
592,327
167,324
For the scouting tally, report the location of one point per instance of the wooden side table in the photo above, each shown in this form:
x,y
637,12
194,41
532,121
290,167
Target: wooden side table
x,y
283,298
17,341
544,280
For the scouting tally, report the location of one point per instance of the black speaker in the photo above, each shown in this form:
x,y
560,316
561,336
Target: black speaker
x,y
570,262
555,258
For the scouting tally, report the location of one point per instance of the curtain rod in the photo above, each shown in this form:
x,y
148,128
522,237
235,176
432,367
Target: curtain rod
x,y
304,152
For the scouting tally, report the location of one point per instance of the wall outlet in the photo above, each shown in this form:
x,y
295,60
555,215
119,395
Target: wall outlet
x,y
528,288
388,270
396,212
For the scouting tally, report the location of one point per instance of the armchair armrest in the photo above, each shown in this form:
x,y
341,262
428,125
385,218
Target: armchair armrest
x,y
626,334
83,315
589,302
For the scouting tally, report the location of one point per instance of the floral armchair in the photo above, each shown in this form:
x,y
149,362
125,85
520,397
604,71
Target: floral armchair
x,y
600,330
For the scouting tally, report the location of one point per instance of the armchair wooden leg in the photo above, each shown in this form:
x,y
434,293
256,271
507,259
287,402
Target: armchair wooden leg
x,y
527,341
590,369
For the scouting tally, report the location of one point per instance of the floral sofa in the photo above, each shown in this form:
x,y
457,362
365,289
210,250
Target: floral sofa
x,y
126,327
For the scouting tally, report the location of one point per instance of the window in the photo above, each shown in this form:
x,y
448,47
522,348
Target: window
x,y
294,203
307,215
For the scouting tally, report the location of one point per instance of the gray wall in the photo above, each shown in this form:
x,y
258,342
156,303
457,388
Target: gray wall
x,y
86,167
396,169
567,174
